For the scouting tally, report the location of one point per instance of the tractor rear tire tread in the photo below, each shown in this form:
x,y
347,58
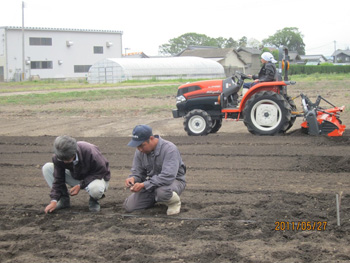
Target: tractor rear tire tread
x,y
293,108
277,98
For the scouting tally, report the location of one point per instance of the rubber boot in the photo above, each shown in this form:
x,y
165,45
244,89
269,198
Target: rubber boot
x,y
174,205
64,202
94,205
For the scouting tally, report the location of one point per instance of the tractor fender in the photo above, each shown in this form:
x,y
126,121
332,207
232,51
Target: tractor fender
x,y
273,86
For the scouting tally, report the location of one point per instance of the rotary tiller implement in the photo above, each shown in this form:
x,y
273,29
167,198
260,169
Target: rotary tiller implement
x,y
320,121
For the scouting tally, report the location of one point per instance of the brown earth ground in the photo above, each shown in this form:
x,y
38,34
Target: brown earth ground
x,y
244,198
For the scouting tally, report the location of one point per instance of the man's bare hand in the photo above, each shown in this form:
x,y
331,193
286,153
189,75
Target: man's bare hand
x,y
129,182
137,187
75,190
51,207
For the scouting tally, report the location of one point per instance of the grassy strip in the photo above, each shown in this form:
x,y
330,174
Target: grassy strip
x,y
68,85
90,95
52,84
335,81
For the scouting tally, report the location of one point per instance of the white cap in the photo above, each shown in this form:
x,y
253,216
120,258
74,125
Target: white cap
x,y
268,57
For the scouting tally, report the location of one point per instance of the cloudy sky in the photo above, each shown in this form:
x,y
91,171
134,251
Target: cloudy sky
x,y
147,24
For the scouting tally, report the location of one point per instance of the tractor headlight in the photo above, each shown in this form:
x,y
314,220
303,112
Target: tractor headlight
x,y
180,99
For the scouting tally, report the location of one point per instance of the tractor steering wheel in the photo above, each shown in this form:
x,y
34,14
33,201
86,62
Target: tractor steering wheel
x,y
234,78
242,75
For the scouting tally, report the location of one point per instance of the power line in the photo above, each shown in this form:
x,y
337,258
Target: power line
x,y
336,44
330,43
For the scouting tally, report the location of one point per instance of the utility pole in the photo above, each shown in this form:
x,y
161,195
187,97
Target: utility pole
x,y
335,50
126,50
23,55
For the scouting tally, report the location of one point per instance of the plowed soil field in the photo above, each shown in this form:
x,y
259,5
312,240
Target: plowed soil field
x,y
248,198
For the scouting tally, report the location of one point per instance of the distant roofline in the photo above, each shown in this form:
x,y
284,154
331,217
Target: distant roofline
x,y
62,29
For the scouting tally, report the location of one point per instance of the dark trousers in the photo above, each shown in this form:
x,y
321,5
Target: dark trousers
x,y
248,85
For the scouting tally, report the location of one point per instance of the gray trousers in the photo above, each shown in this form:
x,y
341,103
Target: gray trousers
x,y
95,189
146,199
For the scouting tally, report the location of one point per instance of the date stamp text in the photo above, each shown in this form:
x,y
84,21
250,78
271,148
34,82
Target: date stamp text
x,y
300,225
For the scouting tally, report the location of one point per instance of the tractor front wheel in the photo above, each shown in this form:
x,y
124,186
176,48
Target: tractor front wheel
x,y
267,113
197,123
216,126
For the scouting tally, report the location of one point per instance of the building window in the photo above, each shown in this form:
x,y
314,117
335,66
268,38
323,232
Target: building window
x,y
98,50
40,41
81,68
41,64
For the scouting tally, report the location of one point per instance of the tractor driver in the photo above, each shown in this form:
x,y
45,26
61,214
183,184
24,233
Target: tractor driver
x,y
266,73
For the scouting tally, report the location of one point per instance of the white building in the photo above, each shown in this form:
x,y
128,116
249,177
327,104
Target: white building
x,y
54,53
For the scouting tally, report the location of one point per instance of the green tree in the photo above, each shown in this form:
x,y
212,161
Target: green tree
x,y
289,37
254,43
230,42
222,42
176,45
243,42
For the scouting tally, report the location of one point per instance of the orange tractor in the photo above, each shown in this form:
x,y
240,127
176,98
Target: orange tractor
x,y
266,108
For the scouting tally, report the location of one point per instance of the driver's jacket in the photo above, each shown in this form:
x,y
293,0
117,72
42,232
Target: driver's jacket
x,y
266,73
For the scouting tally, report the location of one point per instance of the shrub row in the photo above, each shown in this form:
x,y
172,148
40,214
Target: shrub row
x,y
324,69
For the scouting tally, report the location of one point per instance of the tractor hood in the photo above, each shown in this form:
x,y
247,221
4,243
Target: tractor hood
x,y
200,89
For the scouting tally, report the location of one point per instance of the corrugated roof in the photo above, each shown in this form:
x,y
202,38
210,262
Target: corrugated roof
x,y
148,64
303,57
136,55
121,69
62,29
294,55
207,53
199,47
250,50
336,53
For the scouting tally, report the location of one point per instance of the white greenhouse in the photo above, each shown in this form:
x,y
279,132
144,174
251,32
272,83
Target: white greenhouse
x,y
113,70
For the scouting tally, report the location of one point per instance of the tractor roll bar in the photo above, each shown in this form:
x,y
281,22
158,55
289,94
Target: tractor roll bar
x,y
283,60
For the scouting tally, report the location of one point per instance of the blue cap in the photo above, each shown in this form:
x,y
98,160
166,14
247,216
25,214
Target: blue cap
x,y
140,134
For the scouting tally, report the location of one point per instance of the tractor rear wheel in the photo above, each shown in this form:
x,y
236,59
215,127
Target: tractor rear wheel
x,y
267,113
197,123
293,108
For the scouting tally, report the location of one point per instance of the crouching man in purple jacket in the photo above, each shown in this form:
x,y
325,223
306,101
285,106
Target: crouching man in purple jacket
x,y
157,173
80,165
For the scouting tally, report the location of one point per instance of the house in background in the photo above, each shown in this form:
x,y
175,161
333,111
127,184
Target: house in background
x,y
313,59
227,57
251,56
294,57
341,56
54,53
135,55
